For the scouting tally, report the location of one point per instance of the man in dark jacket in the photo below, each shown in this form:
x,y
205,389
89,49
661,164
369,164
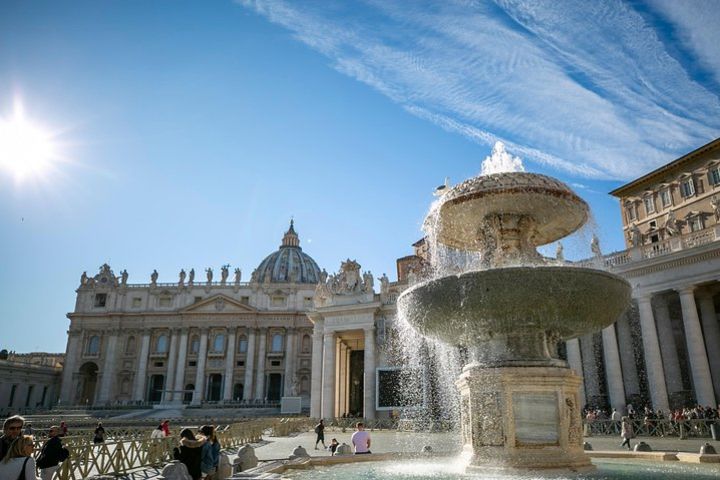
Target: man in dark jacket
x,y
52,454
12,428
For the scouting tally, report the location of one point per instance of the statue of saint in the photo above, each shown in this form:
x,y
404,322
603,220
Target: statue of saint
x,y
323,276
635,237
384,284
123,278
224,272
715,202
154,277
181,281
83,279
295,386
238,276
559,255
368,282
191,277
209,274
595,246
255,276
671,227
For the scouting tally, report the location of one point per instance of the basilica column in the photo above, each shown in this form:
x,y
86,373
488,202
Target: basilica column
x,y
369,374
167,396
108,375
671,364
141,377
199,392
702,381
229,365
575,363
590,369
317,369
328,394
290,340
180,371
711,332
613,369
627,356
249,365
653,360
260,378
72,352
343,376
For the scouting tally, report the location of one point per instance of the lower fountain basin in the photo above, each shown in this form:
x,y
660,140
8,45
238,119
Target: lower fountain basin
x,y
545,303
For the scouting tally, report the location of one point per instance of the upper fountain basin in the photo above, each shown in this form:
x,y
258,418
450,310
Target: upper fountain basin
x,y
469,308
556,209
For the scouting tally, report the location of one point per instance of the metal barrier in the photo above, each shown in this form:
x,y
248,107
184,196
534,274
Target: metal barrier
x,y
653,428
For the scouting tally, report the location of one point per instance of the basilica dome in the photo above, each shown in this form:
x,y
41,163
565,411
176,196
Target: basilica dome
x,y
288,264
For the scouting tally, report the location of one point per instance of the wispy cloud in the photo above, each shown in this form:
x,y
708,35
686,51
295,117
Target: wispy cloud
x,y
583,87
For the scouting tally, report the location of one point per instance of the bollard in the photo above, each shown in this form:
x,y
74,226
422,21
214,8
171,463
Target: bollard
x,y
715,431
642,447
707,449
587,446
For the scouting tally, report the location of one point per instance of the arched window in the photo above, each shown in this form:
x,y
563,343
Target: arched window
x,y
194,344
93,347
243,344
304,384
277,343
130,345
306,344
219,343
162,344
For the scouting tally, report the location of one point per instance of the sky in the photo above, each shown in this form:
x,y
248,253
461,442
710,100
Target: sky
x,y
187,134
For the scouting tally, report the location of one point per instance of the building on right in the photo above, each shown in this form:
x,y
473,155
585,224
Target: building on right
x,y
666,349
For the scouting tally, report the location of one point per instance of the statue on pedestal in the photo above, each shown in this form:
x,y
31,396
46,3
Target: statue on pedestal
x,y
191,278
209,274
715,202
635,236
384,284
238,276
181,280
123,278
671,227
368,282
83,279
595,246
559,255
224,272
154,277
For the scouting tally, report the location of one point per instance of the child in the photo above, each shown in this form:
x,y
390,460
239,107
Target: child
x,y
333,446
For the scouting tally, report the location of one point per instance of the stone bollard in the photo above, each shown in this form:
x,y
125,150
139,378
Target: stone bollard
x,y
427,450
707,449
587,446
245,459
299,452
225,468
642,447
175,470
343,449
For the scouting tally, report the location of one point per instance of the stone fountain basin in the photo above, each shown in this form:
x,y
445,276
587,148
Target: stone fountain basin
x,y
476,306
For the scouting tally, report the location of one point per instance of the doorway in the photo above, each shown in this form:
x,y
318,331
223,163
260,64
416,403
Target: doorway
x,y
274,387
88,380
157,384
214,387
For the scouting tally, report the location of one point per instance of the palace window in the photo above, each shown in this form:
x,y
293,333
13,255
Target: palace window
x,y
665,198
194,344
161,346
165,301
93,345
696,223
245,300
277,301
687,188
649,204
631,212
100,300
219,343
277,343
136,302
242,344
714,175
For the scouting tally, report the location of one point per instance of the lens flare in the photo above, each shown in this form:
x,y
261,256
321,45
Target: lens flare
x,y
26,149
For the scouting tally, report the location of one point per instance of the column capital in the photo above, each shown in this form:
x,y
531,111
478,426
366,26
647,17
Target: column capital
x,y
329,335
686,290
369,330
232,330
204,330
644,298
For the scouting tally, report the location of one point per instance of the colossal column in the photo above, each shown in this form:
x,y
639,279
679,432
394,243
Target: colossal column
x,y
72,352
613,369
702,381
627,356
249,365
180,371
229,365
328,394
590,369
317,369
668,349
172,356
575,363
199,392
108,375
141,378
653,360
289,361
369,374
711,332
260,378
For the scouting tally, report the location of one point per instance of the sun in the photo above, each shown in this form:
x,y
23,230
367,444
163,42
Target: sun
x,y
26,149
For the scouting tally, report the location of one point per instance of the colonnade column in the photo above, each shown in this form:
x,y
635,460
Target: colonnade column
x,y
260,380
627,357
343,375
141,376
290,340
590,369
328,387
249,365
229,365
711,332
653,360
369,375
108,374
613,369
74,349
575,363
317,369
702,381
668,348
180,370
199,392
170,376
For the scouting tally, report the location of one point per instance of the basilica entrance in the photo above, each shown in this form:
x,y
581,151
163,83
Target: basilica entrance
x,y
274,387
356,399
157,383
88,383
214,387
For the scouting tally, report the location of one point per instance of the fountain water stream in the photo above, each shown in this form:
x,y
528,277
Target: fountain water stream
x,y
519,401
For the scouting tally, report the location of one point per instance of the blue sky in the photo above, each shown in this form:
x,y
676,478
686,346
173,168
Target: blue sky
x,y
192,131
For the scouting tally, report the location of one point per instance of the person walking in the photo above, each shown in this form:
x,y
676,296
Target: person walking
x,y
18,462
12,427
166,427
158,432
190,452
626,432
320,432
210,455
361,439
52,454
99,434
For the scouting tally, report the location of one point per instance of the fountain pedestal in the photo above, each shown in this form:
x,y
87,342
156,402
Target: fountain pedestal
x,y
522,418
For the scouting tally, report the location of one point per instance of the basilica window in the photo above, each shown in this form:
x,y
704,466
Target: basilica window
x,y
243,344
219,343
136,302
687,188
277,343
93,345
306,344
165,301
194,344
277,301
649,202
161,346
308,302
100,300
665,198
130,345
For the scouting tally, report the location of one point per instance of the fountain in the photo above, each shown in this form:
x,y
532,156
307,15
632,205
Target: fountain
x,y
519,401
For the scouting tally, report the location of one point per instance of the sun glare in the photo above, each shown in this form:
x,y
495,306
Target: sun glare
x,y
26,149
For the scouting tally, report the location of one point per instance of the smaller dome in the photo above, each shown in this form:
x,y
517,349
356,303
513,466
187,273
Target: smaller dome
x,y
288,264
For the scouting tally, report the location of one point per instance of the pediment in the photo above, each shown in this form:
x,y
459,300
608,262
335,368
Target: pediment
x,y
218,304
